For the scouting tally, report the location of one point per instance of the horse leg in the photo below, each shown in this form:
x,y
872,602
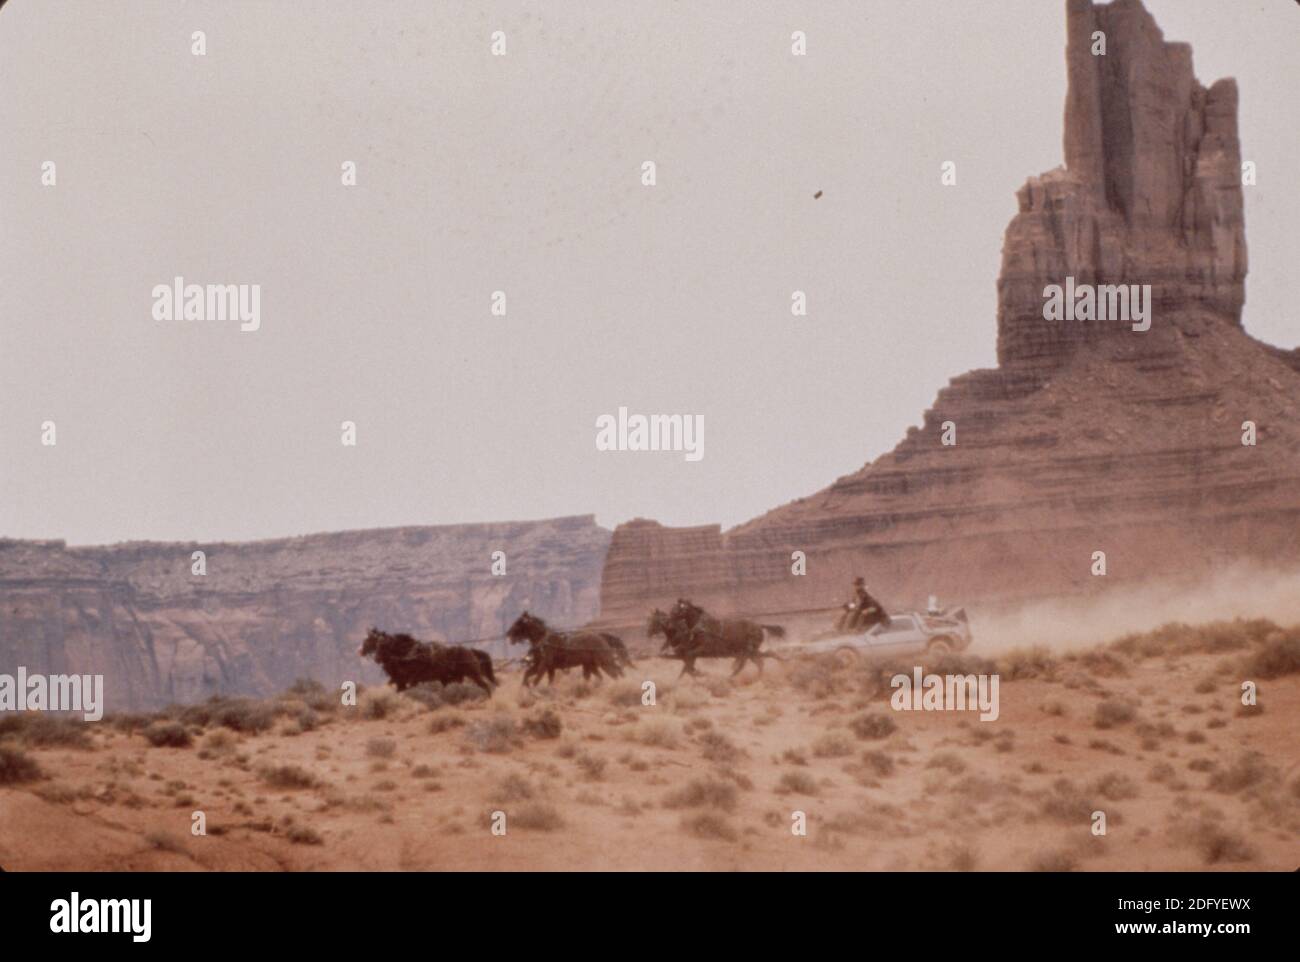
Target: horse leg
x,y
738,665
479,680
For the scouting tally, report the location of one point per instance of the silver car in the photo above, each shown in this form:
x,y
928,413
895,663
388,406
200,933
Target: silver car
x,y
903,634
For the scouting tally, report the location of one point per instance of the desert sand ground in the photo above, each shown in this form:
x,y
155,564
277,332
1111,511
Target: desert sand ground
x,y
1149,730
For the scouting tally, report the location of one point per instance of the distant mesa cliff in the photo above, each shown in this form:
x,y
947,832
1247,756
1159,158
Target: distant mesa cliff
x,y
1088,435
270,612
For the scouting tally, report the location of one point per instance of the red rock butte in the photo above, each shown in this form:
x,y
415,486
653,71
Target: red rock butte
x,y
1088,436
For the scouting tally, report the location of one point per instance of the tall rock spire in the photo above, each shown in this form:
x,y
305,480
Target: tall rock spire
x,y
1150,192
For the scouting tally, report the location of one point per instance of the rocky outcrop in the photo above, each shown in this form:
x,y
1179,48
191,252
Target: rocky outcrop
x,y
1150,192
1089,436
267,613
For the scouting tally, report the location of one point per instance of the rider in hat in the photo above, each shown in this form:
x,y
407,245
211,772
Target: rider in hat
x,y
862,611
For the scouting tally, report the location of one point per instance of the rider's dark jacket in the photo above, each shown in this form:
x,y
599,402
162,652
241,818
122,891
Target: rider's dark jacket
x,y
864,601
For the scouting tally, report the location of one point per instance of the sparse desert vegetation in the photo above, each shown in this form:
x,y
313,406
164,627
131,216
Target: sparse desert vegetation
x,y
1149,730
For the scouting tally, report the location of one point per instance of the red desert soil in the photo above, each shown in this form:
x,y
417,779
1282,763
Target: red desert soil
x,y
710,776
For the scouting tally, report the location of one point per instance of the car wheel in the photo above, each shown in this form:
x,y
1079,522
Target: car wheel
x,y
847,657
940,646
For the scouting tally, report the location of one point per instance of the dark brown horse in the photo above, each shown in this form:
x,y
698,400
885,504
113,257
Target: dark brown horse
x,y
408,662
691,633
551,651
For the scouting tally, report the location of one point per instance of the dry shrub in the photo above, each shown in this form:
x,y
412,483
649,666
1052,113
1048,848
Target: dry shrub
x,y
1114,711
381,748
1161,772
962,857
871,725
1065,802
819,676
514,788
60,794
434,694
164,841
128,723
495,735
16,767
709,825
314,695
1036,662
536,816
1280,655
543,723
658,733
287,776
1159,730
1115,786
304,719
168,734
445,721
218,742
1249,771
1216,844
297,833
1058,861
1216,637
794,757
593,766
981,788
377,704
798,783
684,699
700,792
948,761
833,745
238,714
879,762
719,748
42,730
624,694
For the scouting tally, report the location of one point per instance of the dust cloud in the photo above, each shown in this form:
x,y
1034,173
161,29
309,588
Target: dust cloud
x,y
1238,591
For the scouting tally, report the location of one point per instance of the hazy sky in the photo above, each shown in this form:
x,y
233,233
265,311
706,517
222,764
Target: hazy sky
x,y
522,173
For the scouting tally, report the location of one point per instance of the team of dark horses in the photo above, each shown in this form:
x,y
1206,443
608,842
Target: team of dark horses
x,y
689,632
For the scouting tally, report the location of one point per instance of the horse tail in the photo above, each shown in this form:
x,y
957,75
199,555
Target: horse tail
x,y
776,631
